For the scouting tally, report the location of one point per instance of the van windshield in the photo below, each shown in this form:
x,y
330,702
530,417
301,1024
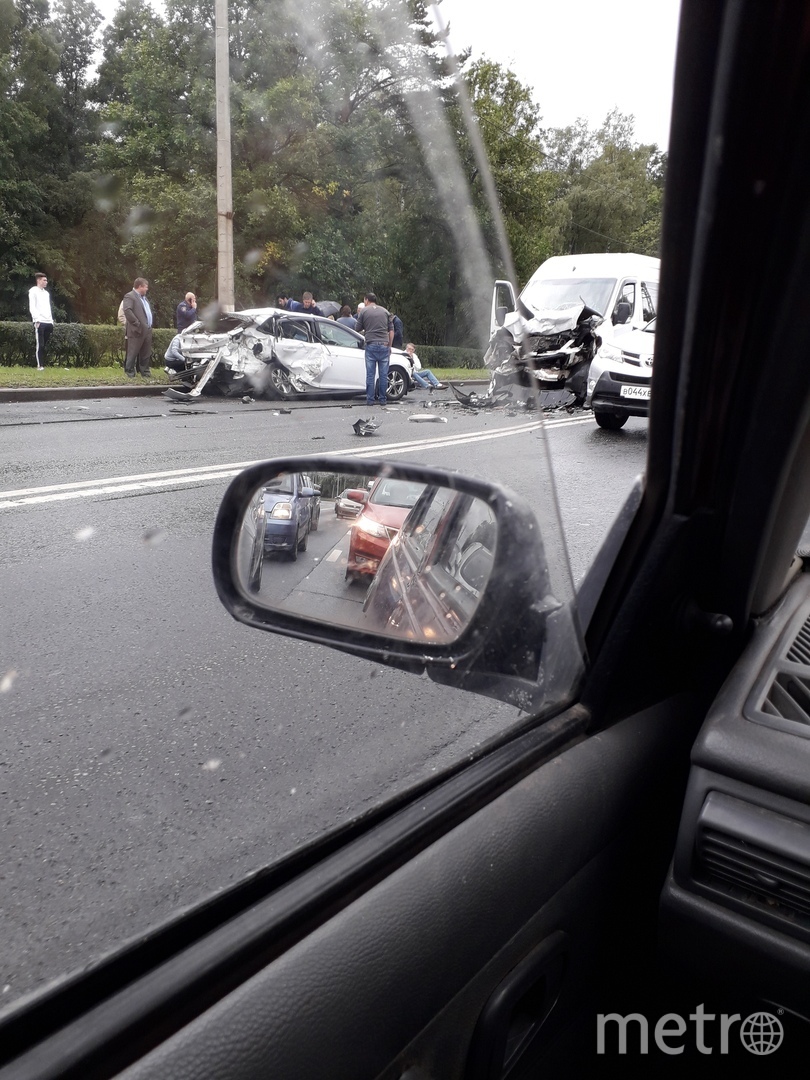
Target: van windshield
x,y
550,294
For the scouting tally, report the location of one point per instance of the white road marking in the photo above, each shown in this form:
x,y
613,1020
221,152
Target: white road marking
x,y
333,556
85,489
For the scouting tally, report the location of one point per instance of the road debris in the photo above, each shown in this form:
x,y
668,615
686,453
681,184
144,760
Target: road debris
x,y
366,427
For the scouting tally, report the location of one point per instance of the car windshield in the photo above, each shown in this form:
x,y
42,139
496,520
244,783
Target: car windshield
x,y
155,751
545,294
396,493
282,485
650,327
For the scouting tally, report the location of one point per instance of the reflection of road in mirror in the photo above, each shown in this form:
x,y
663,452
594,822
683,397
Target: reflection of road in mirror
x,y
395,556
315,585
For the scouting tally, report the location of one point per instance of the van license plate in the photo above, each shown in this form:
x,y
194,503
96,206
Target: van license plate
x,y
642,392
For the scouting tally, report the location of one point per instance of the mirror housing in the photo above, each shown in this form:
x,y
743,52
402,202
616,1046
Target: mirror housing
x,y
500,651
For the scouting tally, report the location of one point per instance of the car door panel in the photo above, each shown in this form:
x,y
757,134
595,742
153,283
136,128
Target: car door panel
x,y
347,370
408,957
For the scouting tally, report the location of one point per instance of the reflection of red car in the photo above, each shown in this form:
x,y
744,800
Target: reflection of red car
x,y
379,522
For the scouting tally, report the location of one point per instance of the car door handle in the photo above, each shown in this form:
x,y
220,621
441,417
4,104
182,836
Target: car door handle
x,y
516,1011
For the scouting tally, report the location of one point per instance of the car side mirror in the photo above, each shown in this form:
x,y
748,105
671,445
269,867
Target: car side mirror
x,y
439,573
500,315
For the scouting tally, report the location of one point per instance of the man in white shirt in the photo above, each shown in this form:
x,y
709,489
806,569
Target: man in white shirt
x,y
39,303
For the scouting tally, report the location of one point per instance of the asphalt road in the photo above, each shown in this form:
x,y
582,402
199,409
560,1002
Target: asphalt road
x,y
153,750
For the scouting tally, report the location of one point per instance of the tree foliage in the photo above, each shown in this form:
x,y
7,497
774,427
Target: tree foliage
x,y
352,167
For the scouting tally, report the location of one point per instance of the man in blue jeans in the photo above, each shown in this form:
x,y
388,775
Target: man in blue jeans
x,y
423,377
377,327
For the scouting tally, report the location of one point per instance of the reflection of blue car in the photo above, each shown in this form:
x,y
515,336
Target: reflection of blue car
x,y
288,504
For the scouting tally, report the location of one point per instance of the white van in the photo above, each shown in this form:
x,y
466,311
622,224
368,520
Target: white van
x,y
554,321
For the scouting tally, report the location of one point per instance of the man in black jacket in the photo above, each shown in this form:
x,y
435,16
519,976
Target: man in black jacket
x,y
186,313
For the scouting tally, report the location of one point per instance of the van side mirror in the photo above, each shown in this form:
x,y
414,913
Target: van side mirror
x,y
500,315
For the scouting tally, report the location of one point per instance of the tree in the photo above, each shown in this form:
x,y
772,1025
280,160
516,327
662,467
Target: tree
x,y
608,189
74,30
30,222
509,121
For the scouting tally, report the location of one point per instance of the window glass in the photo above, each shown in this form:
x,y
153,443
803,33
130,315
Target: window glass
x,y
420,528
649,298
339,335
542,294
284,484
296,329
154,751
396,493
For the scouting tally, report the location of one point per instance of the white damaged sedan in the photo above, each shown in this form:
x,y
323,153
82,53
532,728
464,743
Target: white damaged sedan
x,y
280,354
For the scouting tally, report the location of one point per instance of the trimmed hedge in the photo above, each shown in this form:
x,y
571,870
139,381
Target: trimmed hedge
x,y
81,346
447,356
73,345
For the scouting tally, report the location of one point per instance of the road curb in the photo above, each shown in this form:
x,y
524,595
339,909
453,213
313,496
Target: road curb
x,y
77,393
21,394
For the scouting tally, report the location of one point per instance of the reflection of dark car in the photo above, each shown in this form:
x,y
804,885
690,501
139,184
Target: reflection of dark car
x,y
250,548
286,355
379,522
430,580
288,508
346,507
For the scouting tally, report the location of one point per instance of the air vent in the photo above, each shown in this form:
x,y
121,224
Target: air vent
x,y
781,696
788,696
763,853
799,651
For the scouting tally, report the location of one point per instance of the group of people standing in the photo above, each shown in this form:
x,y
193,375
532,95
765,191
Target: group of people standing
x,y
381,329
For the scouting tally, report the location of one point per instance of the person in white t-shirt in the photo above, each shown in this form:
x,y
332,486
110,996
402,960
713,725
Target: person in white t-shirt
x,y
39,303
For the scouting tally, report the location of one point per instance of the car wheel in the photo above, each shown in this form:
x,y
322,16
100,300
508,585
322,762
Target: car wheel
x,y
609,421
302,544
279,384
397,384
316,521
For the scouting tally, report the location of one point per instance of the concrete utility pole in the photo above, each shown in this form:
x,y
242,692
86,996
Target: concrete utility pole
x,y
225,287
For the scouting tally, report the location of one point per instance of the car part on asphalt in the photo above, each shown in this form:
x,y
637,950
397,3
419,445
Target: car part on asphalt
x,y
366,427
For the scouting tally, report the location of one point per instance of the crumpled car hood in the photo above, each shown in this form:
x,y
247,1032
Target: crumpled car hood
x,y
545,322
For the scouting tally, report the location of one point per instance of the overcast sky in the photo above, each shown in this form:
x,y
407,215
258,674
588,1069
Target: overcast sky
x,y
580,57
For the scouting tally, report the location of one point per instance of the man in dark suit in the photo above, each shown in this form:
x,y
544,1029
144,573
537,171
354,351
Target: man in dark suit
x,y
138,315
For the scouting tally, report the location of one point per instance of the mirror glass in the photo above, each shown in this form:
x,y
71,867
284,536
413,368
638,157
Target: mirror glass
x,y
380,554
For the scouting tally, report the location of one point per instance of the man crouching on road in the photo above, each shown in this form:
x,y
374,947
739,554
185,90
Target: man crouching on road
x,y
377,326
138,314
